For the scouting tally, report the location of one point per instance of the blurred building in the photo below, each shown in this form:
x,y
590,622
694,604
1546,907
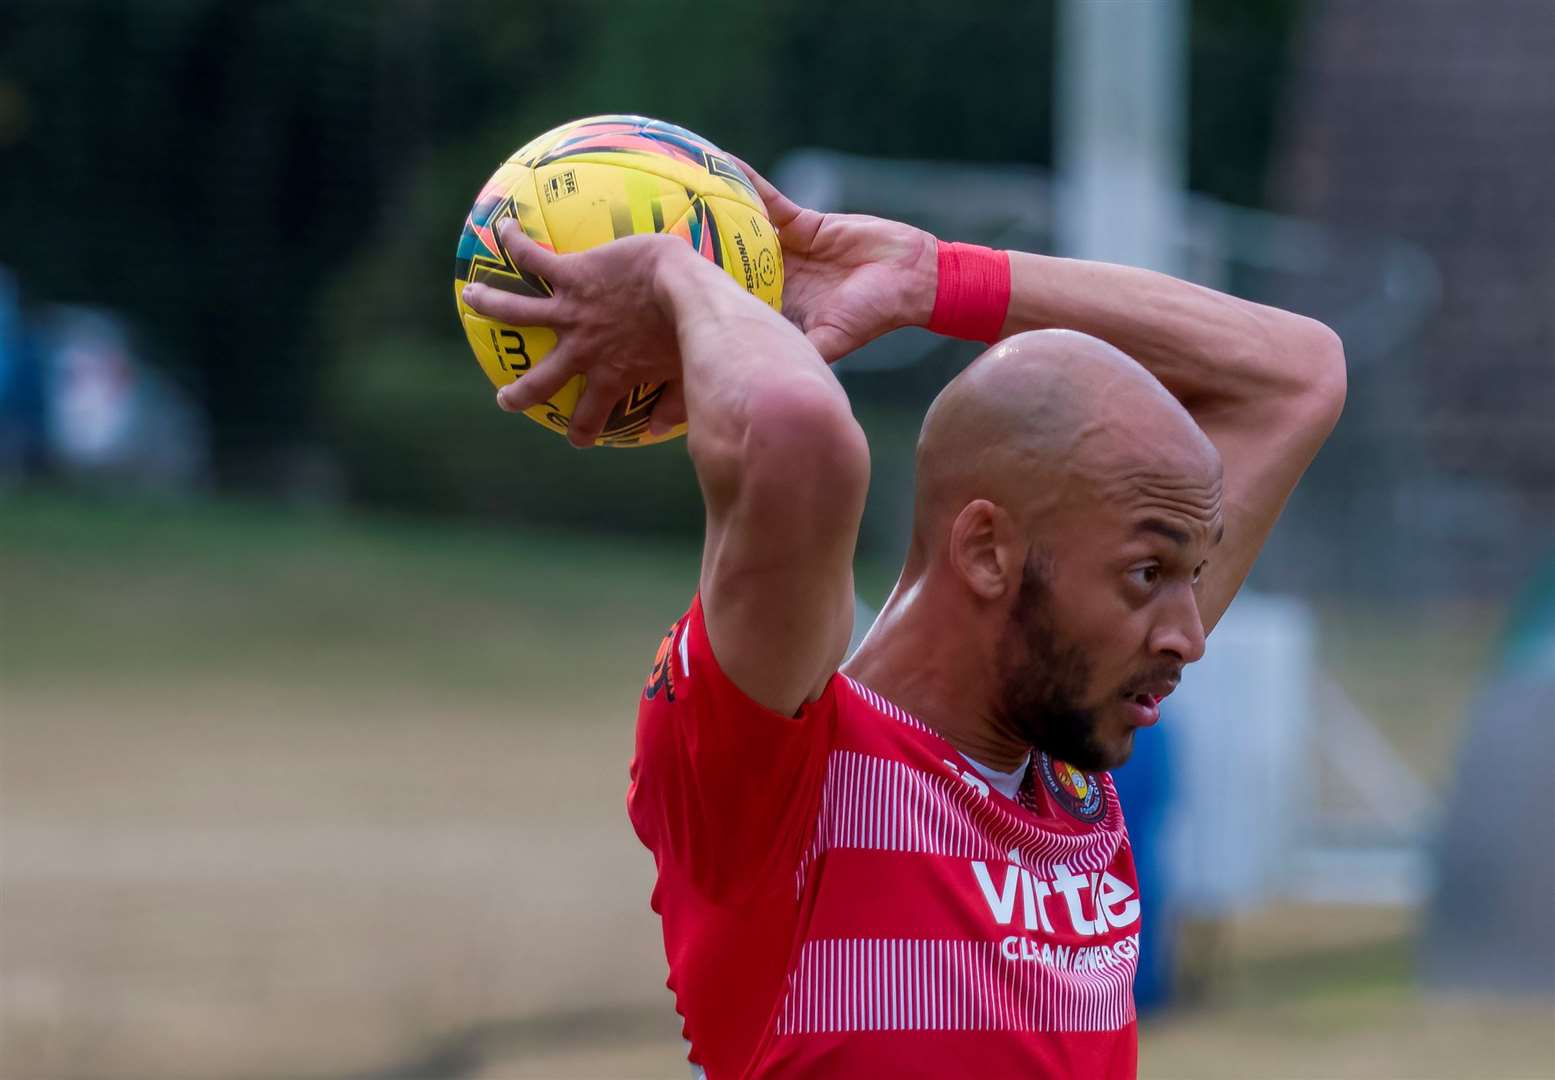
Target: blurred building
x,y
1434,121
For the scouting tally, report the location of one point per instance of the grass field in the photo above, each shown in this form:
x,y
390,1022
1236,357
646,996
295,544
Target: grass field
x,y
288,795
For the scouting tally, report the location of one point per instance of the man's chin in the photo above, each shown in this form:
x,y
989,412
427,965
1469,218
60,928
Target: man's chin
x,y
1092,740
1098,753
1117,752
1108,747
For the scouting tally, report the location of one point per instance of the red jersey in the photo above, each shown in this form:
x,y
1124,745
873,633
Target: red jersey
x,y
843,896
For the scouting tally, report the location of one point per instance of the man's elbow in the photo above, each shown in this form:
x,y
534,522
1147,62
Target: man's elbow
x,y
807,438
798,444
1319,357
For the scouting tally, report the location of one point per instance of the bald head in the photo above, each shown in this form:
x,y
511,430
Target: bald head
x,y
1042,420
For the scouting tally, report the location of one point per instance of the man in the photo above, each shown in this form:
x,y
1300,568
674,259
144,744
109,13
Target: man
x,y
917,866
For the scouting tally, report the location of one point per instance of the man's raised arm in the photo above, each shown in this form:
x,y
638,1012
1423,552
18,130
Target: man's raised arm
x,y
1267,386
782,464
784,469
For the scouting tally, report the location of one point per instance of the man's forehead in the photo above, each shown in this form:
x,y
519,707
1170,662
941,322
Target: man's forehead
x,y
1180,503
1123,467
1178,530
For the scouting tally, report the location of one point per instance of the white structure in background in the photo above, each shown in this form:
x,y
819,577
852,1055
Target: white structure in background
x,y
1241,742
1121,97
1284,788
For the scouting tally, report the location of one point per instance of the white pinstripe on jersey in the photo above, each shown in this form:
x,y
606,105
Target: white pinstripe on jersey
x,y
1010,983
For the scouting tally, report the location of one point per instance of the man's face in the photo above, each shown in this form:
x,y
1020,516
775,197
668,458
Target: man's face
x,y
1102,628
1044,680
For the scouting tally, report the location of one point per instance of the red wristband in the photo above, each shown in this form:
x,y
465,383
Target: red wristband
x,y
973,296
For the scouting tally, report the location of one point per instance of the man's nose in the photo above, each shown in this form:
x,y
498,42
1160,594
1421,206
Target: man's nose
x,y
1180,631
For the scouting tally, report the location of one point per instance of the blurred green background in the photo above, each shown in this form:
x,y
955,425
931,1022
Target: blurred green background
x,y
317,672
272,191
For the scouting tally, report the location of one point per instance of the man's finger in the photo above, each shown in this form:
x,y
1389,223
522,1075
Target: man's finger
x,y
590,414
830,342
511,308
780,208
528,255
670,409
538,384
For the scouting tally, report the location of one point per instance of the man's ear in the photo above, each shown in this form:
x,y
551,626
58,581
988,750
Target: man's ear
x,y
985,549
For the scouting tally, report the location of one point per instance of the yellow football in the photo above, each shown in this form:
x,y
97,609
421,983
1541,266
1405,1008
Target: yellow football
x,y
589,182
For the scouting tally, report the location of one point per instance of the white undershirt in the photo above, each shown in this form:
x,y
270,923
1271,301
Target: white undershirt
x,y
1005,783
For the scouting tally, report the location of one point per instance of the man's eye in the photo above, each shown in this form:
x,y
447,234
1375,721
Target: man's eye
x,y
1198,572
1147,575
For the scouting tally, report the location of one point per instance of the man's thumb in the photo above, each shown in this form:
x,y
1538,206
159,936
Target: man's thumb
x,y
830,342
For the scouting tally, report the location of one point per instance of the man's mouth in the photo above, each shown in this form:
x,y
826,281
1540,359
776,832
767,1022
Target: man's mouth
x,y
1144,709
1144,703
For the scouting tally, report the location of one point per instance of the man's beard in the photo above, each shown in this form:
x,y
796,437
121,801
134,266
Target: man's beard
x,y
1043,679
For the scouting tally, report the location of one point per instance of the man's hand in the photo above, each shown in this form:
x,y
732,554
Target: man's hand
x,y
611,323
849,278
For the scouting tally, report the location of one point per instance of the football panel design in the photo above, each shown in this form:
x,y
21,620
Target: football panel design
x,y
585,204
752,254
651,145
589,182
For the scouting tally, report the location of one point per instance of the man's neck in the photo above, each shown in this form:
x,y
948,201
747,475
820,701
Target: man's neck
x,y
941,669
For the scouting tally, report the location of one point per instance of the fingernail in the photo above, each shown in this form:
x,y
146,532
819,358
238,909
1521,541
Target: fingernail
x,y
468,292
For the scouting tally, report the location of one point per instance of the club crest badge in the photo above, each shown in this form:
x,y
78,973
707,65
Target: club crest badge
x,y
1081,794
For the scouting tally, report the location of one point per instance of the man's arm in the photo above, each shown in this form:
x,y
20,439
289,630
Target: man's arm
x,y
782,464
1267,386
784,469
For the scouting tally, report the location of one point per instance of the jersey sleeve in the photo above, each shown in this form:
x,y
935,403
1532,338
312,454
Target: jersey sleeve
x,y
724,791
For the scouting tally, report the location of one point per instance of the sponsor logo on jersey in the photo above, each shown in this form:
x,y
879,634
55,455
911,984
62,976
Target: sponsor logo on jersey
x,y
1080,793
661,677
1081,958
1067,903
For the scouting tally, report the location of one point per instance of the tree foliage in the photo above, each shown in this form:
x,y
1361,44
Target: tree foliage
x,y
272,191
